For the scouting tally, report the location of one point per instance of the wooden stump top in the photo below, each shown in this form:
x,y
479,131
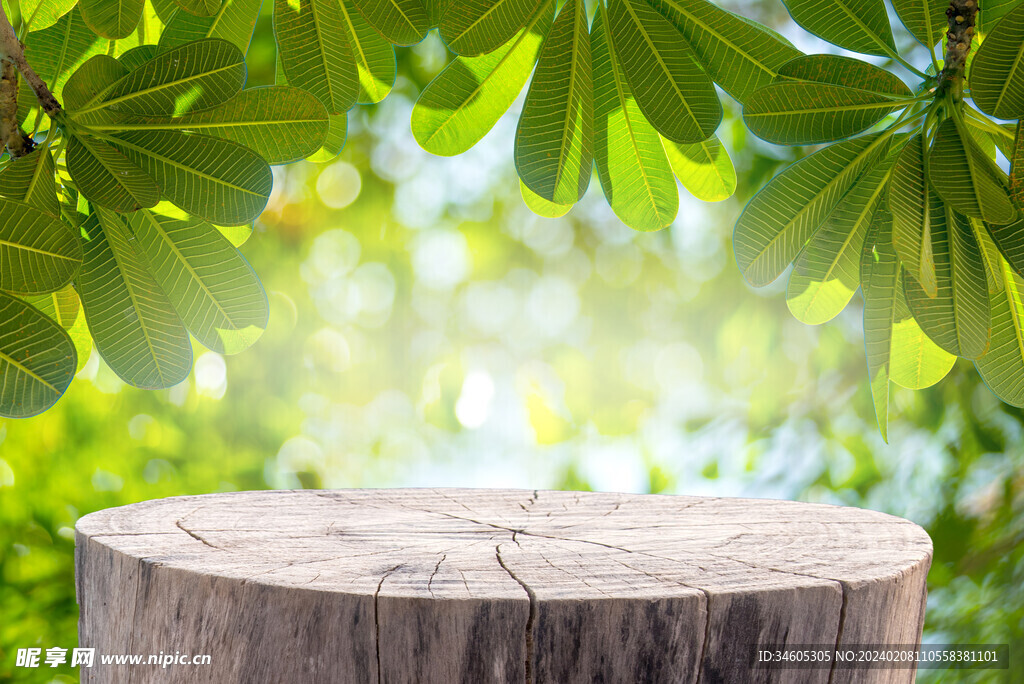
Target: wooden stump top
x,y
711,576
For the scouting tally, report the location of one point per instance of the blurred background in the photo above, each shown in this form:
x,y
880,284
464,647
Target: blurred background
x,y
428,330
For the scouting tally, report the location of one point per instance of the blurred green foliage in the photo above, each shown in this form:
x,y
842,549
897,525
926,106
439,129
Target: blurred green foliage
x,y
436,332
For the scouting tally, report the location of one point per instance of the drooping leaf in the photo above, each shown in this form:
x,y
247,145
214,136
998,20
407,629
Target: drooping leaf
x,y
957,318
217,180
62,306
1002,368
133,324
540,206
783,216
475,27
337,132
917,213
280,123
37,359
92,81
40,14
1016,158
966,179
108,178
895,346
990,255
315,52
403,22
137,56
737,54
827,272
631,163
703,168
468,97
38,252
192,77
857,25
30,179
211,286
112,18
554,139
1010,240
234,22
997,73
200,8
925,19
803,113
56,52
373,54
673,92
848,72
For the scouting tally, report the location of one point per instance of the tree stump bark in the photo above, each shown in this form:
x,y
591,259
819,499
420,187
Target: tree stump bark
x,y
491,586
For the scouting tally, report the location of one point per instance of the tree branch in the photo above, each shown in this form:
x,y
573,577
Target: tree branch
x,y
961,15
10,133
12,51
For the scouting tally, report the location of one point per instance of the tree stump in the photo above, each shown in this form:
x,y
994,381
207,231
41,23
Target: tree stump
x,y
461,585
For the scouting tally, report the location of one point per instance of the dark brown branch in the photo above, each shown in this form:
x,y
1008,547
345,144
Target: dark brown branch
x,y
961,15
10,133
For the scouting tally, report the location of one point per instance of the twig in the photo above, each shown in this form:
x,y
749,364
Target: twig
x,y
12,51
10,133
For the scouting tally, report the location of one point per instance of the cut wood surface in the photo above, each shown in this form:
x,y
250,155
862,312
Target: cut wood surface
x,y
468,585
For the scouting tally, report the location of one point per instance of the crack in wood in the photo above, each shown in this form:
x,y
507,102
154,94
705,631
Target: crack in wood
x,y
376,620
532,615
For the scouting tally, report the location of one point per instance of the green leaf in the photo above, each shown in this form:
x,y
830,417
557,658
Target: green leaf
x,y
38,252
849,72
673,92
990,255
403,22
211,286
857,25
200,8
475,27
41,14
925,19
337,132
30,179
192,77
374,56
917,213
997,74
802,113
315,53
112,18
92,81
703,168
994,11
631,163
1010,240
737,54
895,346
37,360
1016,157
826,274
217,180
61,306
957,318
554,139
234,22
56,52
965,178
108,178
280,123
133,324
137,56
468,97
1003,366
540,206
783,216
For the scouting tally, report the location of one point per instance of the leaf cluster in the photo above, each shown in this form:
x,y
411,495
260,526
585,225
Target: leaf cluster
x,y
908,201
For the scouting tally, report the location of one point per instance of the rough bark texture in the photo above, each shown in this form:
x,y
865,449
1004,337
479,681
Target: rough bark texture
x,y
961,15
11,136
491,586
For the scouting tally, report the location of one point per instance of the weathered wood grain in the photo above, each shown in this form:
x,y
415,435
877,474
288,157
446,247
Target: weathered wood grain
x,y
491,586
